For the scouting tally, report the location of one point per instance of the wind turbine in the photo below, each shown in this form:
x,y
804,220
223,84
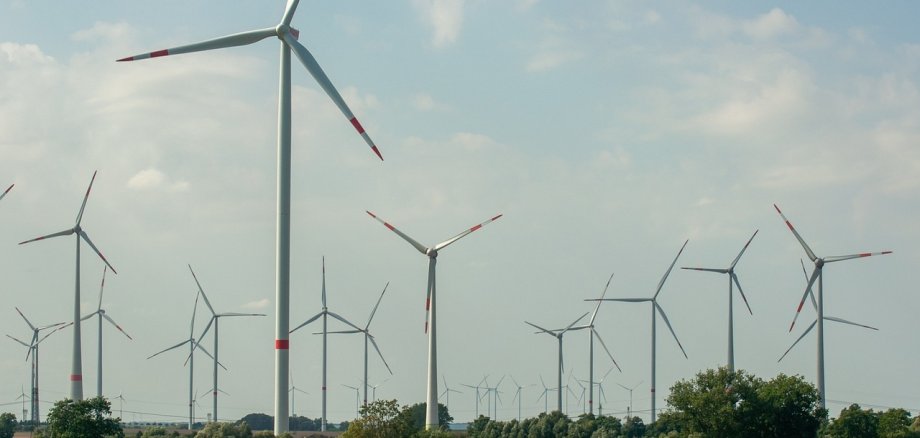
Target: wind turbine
x,y
732,278
121,407
657,310
76,367
288,41
374,388
369,337
593,332
357,408
294,389
630,389
6,191
818,274
102,315
431,415
33,351
214,321
517,395
446,393
543,396
23,397
477,398
558,335
325,313
495,398
193,344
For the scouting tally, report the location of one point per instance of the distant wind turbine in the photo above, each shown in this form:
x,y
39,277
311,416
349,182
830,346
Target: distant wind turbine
x,y
544,395
593,332
294,389
732,278
818,274
102,315
446,393
630,389
476,397
431,415
288,41
518,395
325,313
558,335
657,310
357,405
76,365
33,351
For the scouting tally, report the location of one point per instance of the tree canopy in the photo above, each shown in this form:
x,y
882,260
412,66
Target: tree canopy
x,y
86,418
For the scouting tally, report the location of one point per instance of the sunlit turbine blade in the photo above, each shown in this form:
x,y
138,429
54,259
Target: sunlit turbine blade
x,y
89,316
624,300
371,318
170,348
540,328
201,290
340,332
7,191
85,197
735,262
206,328
808,251
221,315
574,322
464,233
720,271
671,329
421,248
59,233
374,343
598,306
344,320
307,322
854,256
598,335
289,12
741,291
810,293
324,283
237,39
191,330
25,319
308,61
102,286
797,340
96,250
668,272
51,325
112,321
811,281
841,320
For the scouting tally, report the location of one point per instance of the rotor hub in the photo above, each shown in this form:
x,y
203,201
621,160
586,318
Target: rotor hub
x,y
819,263
431,252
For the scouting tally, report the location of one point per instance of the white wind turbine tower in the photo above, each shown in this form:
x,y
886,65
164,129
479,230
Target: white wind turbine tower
x,y
325,313
593,332
558,335
294,389
543,395
431,416
657,310
818,274
33,351
288,42
192,398
446,393
214,321
102,315
76,368
369,337
732,278
517,394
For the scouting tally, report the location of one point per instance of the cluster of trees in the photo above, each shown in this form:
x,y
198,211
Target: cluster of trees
x,y
721,403
295,423
386,419
7,425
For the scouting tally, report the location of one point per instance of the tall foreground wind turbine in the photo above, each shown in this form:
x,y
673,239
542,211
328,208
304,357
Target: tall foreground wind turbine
x,y
215,319
657,310
369,337
818,274
102,315
288,42
431,415
558,335
33,351
76,366
593,333
325,313
732,278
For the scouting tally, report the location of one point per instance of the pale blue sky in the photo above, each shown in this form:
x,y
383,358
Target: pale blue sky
x,y
607,133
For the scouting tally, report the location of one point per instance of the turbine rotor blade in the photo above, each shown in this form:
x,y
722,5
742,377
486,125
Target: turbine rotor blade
x,y
741,291
25,319
112,321
668,272
720,271
324,282
17,340
428,289
201,290
221,315
814,276
373,312
598,306
170,348
671,329
573,323
811,295
841,320
797,340
308,61
735,262
374,343
59,233
608,352
854,256
289,12
307,321
7,191
102,286
624,300
808,251
206,328
237,39
465,232
334,315
96,250
540,328
85,198
421,248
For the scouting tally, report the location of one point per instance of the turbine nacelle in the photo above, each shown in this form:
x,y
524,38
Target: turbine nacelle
x,y
432,253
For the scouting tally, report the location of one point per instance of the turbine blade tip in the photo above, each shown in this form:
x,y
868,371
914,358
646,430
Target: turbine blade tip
x,y
377,151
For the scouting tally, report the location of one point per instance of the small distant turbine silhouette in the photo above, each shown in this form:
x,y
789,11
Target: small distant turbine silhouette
x,y
558,335
445,393
32,345
732,278
593,332
818,274
103,315
544,396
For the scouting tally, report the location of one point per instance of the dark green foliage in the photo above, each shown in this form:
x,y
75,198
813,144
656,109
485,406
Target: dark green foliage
x,y
385,418
227,430
415,415
854,422
295,423
634,427
86,418
7,425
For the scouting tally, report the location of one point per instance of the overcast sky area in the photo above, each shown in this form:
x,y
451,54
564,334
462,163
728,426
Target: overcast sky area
x,y
607,133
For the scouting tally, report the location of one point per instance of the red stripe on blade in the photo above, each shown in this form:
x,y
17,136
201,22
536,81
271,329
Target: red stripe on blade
x,y
376,151
865,254
427,303
389,226
159,53
354,121
800,306
130,58
282,344
76,377
475,228
789,225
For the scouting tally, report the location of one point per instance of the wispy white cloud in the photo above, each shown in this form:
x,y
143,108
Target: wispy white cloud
x,y
153,179
257,304
443,17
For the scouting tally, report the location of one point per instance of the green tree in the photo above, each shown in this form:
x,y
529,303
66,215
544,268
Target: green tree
x,y
415,416
787,406
634,427
86,418
154,431
380,419
225,430
715,403
257,421
894,423
7,425
854,422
